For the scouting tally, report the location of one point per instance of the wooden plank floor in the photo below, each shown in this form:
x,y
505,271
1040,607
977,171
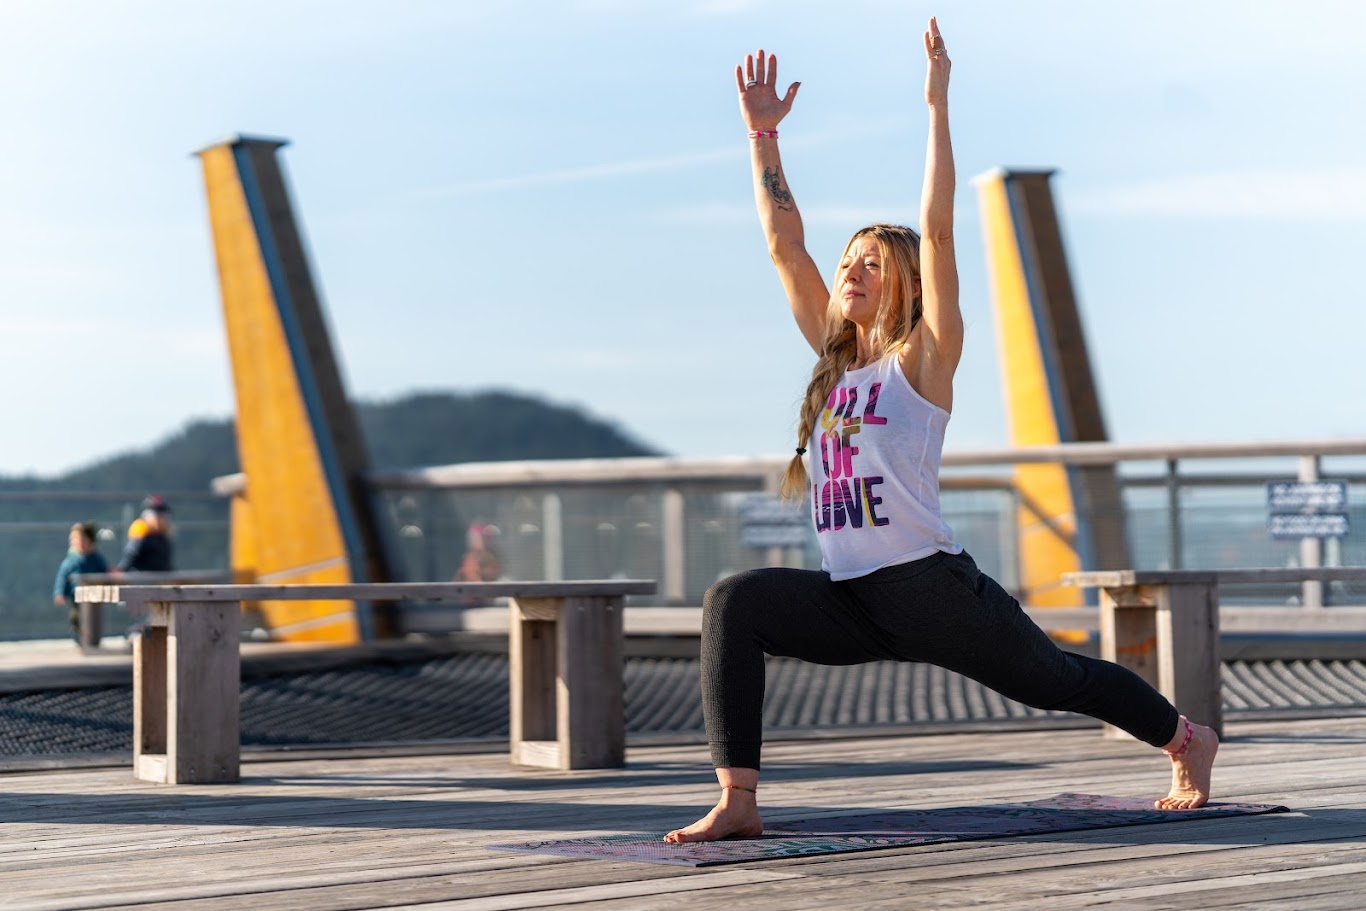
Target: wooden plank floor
x,y
350,832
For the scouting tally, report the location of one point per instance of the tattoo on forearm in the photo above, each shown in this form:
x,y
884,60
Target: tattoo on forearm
x,y
774,185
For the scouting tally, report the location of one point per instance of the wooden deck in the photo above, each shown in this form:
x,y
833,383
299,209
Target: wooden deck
x,y
348,831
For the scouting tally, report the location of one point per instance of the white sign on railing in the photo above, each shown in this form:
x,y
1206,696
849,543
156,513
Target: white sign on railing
x,y
769,521
1309,525
1293,496
1307,509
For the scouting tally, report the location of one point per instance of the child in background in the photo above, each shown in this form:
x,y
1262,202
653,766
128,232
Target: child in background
x,y
81,557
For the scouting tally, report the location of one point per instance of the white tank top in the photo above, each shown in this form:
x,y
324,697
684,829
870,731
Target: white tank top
x,y
873,461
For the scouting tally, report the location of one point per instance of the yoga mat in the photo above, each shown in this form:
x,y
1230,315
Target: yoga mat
x,y
890,829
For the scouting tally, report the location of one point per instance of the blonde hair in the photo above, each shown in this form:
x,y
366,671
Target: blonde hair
x,y
897,316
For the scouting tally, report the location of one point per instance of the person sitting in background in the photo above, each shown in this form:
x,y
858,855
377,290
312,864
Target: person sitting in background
x,y
481,562
149,540
81,557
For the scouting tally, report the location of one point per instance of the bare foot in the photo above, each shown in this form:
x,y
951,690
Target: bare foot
x,y
1191,771
730,818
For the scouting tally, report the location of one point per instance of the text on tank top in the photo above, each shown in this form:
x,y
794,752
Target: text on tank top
x,y
873,461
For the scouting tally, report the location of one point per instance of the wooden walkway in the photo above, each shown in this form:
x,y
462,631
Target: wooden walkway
x,y
348,831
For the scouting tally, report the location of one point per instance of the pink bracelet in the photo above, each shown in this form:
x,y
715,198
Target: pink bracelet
x,y
1185,744
770,134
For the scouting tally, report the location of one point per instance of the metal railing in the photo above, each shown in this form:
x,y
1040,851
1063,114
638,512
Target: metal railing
x,y
682,521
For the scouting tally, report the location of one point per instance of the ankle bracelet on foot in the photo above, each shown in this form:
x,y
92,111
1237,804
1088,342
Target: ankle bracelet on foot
x,y
1185,744
736,787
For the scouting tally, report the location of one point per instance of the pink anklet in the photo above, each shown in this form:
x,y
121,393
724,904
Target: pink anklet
x,y
736,787
1185,743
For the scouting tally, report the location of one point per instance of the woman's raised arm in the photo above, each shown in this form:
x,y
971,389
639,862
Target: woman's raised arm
x,y
934,361
782,223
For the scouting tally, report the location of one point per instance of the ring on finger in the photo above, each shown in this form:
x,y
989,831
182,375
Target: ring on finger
x,y
751,84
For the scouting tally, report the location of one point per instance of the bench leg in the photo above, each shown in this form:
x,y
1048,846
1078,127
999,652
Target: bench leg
x,y
1188,649
203,693
1128,637
568,704
149,705
1169,636
89,621
186,694
590,703
531,666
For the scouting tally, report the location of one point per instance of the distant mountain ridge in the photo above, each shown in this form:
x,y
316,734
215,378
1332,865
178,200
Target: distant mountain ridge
x,y
421,428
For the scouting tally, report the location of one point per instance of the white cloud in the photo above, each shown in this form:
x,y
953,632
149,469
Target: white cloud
x,y
728,7
590,172
37,30
21,333
695,7
832,216
710,213
816,215
611,361
609,170
43,334
1338,194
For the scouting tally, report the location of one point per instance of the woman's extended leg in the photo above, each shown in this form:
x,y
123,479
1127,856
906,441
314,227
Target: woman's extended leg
x,y
944,610
789,612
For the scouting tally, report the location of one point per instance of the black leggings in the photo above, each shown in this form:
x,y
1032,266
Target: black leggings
x,y
941,610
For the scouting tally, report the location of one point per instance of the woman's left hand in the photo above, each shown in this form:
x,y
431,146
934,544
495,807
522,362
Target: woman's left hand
x,y
937,70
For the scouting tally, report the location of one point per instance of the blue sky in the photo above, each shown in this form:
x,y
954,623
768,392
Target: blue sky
x,y
553,198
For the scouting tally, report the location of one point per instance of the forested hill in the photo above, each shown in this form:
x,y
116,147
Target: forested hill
x,y
427,428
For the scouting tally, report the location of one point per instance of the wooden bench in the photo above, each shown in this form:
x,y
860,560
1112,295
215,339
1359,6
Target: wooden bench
x,y
89,620
565,663
1164,626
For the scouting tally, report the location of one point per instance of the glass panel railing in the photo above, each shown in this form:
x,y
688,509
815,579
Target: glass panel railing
x,y
689,523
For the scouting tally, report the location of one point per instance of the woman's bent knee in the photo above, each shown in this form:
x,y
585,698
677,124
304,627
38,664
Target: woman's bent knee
x,y
755,599
731,600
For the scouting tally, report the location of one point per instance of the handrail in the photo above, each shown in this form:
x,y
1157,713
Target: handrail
x,y
143,577
1111,578
1111,453
549,471
662,468
366,591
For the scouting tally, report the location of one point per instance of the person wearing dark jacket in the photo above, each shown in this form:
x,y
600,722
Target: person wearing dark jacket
x,y
149,540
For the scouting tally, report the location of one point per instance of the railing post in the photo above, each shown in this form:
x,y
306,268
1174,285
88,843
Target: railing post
x,y
775,556
675,546
1311,549
1010,544
552,537
1175,542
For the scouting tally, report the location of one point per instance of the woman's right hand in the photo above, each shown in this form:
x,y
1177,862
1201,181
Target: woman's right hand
x,y
759,102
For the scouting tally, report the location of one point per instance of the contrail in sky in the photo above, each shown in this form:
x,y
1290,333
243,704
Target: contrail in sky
x,y
591,172
649,165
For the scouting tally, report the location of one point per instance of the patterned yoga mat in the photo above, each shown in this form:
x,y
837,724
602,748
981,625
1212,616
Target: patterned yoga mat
x,y
890,829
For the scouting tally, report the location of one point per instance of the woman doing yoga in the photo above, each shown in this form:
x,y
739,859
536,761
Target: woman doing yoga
x,y
893,583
